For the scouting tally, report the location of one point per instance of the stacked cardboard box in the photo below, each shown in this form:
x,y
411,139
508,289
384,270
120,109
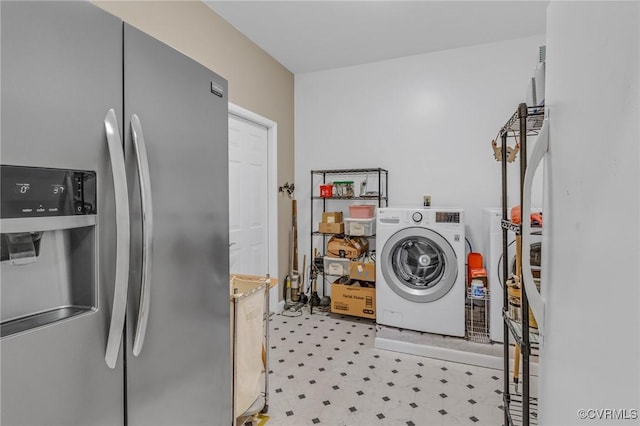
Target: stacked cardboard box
x,y
362,271
332,223
357,300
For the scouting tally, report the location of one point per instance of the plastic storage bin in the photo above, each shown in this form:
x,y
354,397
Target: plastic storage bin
x,y
336,266
360,227
362,211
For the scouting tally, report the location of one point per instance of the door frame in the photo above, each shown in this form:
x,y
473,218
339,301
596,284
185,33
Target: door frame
x,y
272,193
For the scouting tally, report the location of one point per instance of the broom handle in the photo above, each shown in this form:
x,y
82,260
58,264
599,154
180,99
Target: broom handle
x,y
516,356
519,257
303,273
516,366
294,223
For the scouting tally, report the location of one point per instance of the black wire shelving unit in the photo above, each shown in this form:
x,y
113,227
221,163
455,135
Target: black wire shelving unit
x,y
320,177
519,408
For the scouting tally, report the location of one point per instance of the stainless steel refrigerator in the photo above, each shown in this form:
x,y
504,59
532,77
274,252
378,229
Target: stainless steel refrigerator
x,y
114,272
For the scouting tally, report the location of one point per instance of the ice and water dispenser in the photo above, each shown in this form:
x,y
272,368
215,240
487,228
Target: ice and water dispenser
x,y
48,267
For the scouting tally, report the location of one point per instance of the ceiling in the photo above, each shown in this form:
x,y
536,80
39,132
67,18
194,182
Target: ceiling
x,y
307,35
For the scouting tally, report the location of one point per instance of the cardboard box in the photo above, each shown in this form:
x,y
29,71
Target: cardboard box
x,y
332,217
331,228
349,247
353,300
362,271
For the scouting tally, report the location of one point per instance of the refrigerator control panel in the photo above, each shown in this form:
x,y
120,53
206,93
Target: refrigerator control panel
x,y
38,192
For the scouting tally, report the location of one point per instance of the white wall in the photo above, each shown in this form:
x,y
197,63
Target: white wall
x,y
429,119
591,353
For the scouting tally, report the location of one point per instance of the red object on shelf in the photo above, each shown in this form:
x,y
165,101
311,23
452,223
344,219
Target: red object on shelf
x,y
326,191
475,269
536,218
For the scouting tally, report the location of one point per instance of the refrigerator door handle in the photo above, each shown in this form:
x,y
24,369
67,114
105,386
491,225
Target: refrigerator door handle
x,y
536,301
147,232
121,196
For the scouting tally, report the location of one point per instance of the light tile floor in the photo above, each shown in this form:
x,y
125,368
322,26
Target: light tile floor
x,y
325,370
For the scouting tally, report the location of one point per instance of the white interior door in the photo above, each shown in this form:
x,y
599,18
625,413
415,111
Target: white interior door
x,y
248,202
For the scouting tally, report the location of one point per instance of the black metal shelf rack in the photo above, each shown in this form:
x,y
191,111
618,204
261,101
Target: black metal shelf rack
x,y
519,408
515,414
319,177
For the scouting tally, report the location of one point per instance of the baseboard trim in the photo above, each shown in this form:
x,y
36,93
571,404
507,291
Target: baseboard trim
x,y
446,354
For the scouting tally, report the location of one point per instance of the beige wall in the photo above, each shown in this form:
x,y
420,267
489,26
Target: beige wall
x,y
257,82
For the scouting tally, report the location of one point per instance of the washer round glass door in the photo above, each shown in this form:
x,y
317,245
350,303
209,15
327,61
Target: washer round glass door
x,y
419,264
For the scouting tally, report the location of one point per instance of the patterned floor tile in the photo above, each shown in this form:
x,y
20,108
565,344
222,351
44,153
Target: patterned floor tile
x,y
325,371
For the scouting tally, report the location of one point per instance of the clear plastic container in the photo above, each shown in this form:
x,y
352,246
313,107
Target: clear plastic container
x,y
336,266
343,188
360,227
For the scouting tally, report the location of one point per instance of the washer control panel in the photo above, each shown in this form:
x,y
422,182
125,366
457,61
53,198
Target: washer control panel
x,y
394,216
447,217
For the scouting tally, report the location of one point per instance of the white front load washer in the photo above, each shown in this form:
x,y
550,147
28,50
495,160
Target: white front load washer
x,y
420,259
492,252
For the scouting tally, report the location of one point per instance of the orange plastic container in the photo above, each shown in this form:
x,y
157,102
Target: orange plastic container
x,y
474,260
475,269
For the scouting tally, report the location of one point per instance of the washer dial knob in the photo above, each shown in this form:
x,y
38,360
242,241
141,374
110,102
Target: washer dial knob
x,y
417,217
